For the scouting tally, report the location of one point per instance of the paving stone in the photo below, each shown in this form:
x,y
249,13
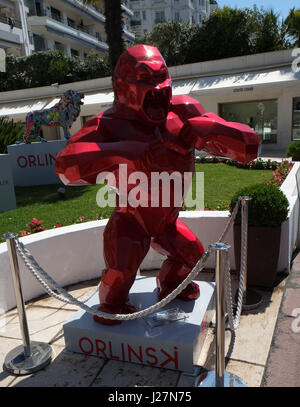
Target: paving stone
x,y
80,291
43,323
65,370
291,301
283,368
254,334
250,374
124,374
186,381
5,318
7,345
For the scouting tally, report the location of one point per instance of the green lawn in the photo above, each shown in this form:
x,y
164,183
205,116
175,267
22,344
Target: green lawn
x,y
221,181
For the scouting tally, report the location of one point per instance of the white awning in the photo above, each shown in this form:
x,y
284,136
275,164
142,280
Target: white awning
x,y
98,98
269,77
183,87
51,103
21,108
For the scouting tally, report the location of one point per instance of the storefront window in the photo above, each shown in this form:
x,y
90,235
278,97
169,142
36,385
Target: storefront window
x,y
296,119
260,115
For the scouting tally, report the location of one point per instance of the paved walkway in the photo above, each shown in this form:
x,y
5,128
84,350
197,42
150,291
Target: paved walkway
x,y
248,359
283,365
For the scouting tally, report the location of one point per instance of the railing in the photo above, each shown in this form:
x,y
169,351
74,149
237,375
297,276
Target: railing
x,y
10,21
56,17
135,22
84,29
69,23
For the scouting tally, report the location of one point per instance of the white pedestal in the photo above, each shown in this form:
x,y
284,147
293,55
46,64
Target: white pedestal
x,y
173,346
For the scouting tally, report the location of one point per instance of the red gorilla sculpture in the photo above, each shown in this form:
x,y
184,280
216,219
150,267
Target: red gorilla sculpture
x,y
149,130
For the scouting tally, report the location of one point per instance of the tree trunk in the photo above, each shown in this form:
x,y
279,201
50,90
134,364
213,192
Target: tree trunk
x,y
114,30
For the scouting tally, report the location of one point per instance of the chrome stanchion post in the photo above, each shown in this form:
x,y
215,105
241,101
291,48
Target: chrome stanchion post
x,y
221,261
14,266
251,298
32,356
220,378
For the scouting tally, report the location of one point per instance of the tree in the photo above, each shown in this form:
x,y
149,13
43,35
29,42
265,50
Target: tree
x,y
225,34
293,26
172,40
26,72
113,28
268,33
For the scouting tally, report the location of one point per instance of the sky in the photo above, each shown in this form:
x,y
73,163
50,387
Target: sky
x,y
279,6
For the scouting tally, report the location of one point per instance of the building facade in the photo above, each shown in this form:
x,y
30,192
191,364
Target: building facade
x,y
71,26
147,13
14,38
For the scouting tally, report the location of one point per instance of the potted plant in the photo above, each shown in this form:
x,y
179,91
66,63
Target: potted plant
x,y
267,209
293,151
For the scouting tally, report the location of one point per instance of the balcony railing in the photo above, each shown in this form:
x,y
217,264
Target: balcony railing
x,y
70,23
57,17
135,22
12,22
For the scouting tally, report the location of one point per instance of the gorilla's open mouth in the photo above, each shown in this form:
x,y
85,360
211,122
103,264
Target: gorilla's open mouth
x,y
156,104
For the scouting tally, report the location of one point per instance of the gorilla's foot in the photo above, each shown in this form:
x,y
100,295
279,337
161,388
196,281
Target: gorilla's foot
x,y
127,308
191,292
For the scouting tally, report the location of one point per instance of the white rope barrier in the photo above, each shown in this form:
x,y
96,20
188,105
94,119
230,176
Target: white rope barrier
x,y
37,271
50,285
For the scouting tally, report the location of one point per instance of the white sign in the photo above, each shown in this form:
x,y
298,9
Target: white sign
x,y
7,191
171,346
33,164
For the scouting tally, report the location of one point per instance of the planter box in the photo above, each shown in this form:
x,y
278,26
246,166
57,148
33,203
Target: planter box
x,y
33,164
263,254
7,191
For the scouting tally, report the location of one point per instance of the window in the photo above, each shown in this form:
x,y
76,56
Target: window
x,y
39,43
55,14
59,46
260,115
177,16
296,119
71,23
74,52
38,8
144,15
159,16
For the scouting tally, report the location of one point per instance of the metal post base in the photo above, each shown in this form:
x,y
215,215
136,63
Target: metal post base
x,y
17,363
252,300
208,379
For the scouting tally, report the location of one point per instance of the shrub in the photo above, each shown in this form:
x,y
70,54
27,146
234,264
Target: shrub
x,y
293,151
10,132
268,206
27,72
